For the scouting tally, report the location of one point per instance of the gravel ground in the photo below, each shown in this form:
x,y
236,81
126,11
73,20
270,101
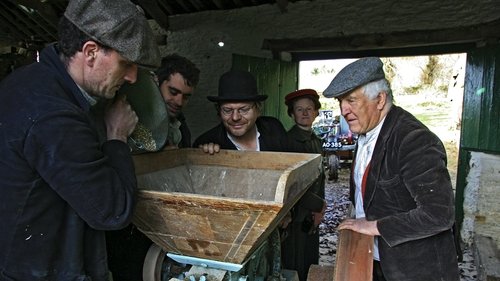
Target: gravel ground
x,y
337,194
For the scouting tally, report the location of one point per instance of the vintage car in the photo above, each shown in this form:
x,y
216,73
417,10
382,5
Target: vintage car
x,y
338,141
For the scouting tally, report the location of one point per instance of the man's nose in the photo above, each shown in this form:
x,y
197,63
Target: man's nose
x,y
236,115
131,74
344,108
178,99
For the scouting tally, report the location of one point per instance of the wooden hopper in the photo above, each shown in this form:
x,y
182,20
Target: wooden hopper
x,y
218,207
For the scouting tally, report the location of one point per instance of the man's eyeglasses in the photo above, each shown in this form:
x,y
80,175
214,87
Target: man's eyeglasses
x,y
244,111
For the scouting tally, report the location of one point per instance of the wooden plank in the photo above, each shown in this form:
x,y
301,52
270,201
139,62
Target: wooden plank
x,y
290,275
320,273
354,257
219,207
151,162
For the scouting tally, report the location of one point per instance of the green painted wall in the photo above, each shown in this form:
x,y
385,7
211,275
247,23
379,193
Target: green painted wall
x,y
275,79
480,115
481,111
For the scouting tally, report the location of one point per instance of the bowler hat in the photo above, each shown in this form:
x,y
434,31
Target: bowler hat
x,y
310,93
354,75
237,85
118,24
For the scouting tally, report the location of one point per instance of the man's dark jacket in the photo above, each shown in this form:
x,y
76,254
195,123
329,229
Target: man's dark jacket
x,y
185,132
59,190
409,193
128,247
272,136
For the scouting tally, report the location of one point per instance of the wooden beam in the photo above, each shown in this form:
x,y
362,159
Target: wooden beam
x,y
219,4
282,4
42,17
165,5
407,39
43,8
183,4
354,260
151,7
12,23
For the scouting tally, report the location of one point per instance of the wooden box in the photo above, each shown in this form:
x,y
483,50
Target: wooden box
x,y
218,207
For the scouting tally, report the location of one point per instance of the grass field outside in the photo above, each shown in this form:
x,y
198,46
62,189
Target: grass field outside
x,y
440,116
430,87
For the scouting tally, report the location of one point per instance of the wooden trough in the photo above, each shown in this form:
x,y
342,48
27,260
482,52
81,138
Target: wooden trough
x,y
218,207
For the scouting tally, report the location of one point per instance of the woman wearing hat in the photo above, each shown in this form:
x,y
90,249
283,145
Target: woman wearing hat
x,y
301,248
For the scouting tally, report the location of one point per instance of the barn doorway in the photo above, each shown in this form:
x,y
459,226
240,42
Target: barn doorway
x,y
430,87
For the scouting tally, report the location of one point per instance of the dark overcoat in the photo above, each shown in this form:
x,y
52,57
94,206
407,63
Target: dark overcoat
x,y
409,193
300,249
59,188
272,135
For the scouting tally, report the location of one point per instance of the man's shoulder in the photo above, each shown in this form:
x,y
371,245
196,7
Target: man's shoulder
x,y
402,119
214,135
404,126
269,121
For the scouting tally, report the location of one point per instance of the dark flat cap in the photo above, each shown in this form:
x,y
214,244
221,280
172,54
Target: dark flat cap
x,y
310,93
354,75
118,24
237,85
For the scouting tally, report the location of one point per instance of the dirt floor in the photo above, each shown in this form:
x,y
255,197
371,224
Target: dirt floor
x,y
337,194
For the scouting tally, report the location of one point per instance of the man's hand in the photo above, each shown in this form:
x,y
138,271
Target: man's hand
x,y
318,217
210,148
360,225
120,119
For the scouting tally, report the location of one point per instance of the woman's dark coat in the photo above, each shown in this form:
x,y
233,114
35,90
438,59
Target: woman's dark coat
x,y
409,193
300,249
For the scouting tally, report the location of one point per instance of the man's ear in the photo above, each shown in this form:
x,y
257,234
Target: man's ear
x,y
381,100
258,111
90,50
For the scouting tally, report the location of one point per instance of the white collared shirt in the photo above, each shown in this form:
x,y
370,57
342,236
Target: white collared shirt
x,y
257,144
366,145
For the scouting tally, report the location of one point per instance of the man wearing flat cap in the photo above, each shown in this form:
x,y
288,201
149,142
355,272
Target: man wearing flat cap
x,y
62,187
400,185
242,127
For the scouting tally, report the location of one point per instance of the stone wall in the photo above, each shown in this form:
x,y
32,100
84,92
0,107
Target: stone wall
x,y
482,198
196,36
243,31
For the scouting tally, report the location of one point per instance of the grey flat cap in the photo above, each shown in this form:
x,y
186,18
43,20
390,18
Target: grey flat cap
x,y
118,24
354,75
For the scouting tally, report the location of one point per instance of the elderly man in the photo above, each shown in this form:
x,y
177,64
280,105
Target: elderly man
x,y
400,185
60,189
